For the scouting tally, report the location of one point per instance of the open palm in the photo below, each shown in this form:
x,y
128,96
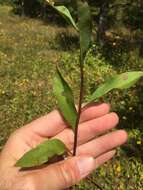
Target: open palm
x,y
94,148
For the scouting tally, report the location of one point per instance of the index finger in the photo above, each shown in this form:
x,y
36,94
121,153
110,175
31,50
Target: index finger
x,y
53,123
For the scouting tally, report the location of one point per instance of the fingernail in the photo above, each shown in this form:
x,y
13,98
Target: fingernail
x,y
85,165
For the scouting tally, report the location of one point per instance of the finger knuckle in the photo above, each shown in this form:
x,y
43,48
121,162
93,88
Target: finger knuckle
x,y
68,173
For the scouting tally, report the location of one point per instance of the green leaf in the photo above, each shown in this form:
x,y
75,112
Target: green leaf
x,y
65,99
66,14
42,153
85,26
121,81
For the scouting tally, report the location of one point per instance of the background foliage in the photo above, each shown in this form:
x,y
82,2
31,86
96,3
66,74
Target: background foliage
x,y
29,49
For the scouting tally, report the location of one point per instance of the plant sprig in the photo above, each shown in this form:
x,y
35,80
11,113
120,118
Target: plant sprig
x,y
85,29
64,95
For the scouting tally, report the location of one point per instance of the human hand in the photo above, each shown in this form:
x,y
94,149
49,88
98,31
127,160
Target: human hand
x,y
91,152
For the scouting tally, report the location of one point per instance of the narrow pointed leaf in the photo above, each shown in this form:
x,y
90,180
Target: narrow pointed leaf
x,y
42,153
65,99
121,81
85,26
63,11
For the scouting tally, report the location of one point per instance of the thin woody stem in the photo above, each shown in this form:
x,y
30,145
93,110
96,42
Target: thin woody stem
x,y
80,103
93,182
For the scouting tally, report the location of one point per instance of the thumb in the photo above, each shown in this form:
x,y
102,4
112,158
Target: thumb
x,y
66,173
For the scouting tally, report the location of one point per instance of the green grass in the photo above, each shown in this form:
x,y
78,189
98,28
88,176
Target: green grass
x,y
29,50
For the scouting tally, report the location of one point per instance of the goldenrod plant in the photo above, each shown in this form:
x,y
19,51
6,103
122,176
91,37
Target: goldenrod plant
x,y
52,148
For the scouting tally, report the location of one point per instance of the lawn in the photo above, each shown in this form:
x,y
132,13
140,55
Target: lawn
x,y
29,50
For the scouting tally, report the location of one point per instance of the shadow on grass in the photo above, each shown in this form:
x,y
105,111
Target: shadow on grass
x,y
133,124
132,149
67,41
129,106
122,50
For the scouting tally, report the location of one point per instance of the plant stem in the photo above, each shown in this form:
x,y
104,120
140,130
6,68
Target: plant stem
x,y
80,102
94,183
